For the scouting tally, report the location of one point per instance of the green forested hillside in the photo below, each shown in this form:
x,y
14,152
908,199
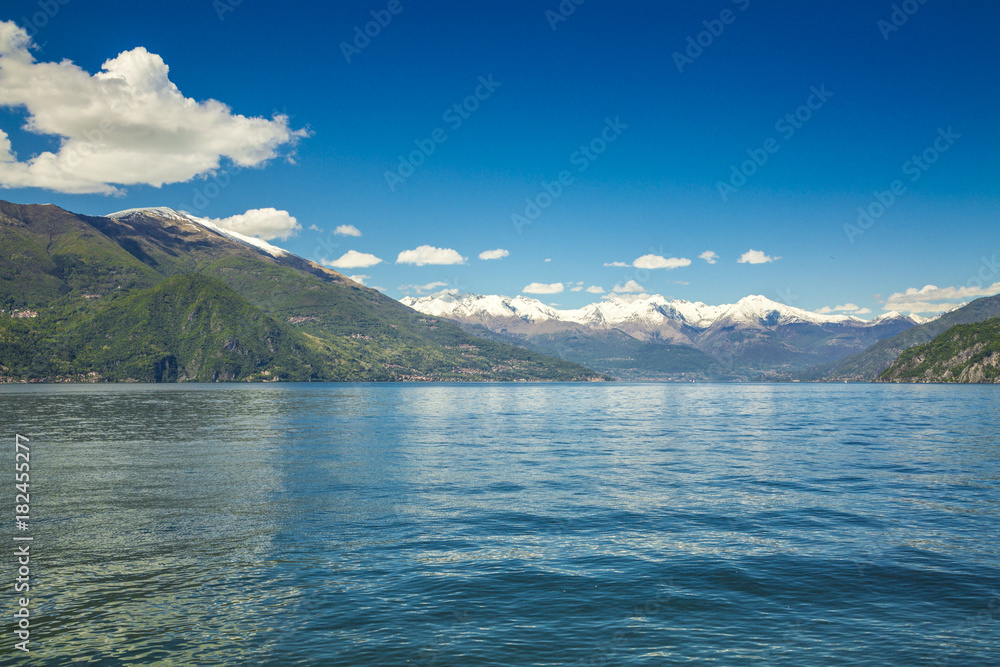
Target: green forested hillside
x,y
963,353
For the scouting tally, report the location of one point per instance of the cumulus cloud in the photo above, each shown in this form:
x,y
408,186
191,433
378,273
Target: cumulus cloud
x,y
352,259
576,288
347,230
360,278
426,254
619,264
314,228
709,256
922,300
631,287
594,289
543,288
657,262
499,253
756,257
845,308
264,223
125,125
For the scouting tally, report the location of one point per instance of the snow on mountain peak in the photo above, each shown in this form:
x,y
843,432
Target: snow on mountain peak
x,y
168,213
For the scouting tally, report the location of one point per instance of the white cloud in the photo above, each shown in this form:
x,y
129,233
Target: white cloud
x,y
846,308
126,125
862,311
360,278
620,264
576,288
352,259
657,262
347,230
594,289
548,259
709,256
543,288
631,287
499,253
922,300
426,254
314,228
756,257
429,287
264,223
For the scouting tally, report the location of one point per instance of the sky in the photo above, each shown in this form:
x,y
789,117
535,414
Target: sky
x,y
837,156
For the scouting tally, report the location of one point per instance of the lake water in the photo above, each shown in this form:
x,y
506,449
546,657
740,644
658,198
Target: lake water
x,y
598,524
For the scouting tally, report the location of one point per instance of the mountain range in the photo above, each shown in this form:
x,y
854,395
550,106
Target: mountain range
x,y
159,295
656,338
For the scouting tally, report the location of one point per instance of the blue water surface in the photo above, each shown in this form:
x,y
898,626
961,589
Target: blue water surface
x,y
508,524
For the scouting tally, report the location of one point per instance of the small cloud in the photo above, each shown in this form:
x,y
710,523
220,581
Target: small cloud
x,y
352,259
347,230
360,278
548,259
264,223
619,264
862,311
846,308
425,254
594,289
429,287
755,257
576,288
543,288
657,262
709,256
631,287
314,228
499,253
682,282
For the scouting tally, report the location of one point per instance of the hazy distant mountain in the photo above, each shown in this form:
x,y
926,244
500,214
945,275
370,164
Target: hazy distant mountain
x,y
158,295
753,338
964,353
867,365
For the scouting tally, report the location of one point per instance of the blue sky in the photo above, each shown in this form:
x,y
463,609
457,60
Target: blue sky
x,y
678,129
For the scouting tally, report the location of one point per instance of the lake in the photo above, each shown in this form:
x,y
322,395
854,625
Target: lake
x,y
508,524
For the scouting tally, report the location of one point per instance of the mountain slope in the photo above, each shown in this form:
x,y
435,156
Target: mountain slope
x,y
191,328
867,365
963,353
69,269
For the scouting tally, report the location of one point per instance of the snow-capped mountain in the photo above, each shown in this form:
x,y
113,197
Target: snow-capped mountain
x,y
754,332
651,312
